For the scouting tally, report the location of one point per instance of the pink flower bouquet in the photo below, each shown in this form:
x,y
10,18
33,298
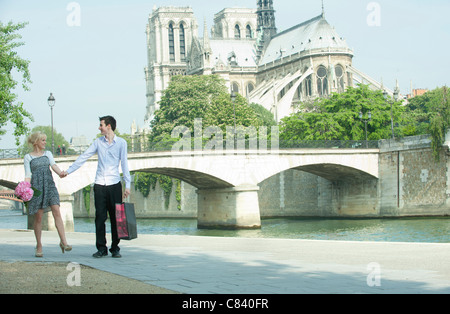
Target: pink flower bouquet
x,y
25,192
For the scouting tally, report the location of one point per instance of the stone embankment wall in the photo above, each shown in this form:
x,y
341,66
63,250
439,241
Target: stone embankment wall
x,y
412,181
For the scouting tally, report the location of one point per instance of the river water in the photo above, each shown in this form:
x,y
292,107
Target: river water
x,y
432,230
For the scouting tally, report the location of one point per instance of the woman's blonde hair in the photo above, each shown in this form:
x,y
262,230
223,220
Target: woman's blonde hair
x,y
35,137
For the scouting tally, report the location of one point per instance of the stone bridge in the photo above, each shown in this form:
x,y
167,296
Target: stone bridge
x,y
226,182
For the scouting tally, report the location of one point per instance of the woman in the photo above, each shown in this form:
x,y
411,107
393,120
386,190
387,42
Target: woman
x,y
37,172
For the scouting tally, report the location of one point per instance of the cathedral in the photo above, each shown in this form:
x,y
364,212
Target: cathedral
x,y
277,70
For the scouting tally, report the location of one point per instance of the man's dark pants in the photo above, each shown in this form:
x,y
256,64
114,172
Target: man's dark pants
x,y
106,198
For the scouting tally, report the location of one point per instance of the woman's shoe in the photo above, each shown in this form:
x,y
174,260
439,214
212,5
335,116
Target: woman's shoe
x,y
63,247
38,254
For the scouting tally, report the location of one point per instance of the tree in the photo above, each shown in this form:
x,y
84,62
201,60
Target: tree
x,y
440,119
11,109
430,114
47,130
337,117
200,97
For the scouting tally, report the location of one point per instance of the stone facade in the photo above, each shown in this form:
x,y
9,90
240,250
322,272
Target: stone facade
x,y
276,70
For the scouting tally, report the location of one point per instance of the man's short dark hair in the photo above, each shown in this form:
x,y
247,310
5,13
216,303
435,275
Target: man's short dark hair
x,y
109,120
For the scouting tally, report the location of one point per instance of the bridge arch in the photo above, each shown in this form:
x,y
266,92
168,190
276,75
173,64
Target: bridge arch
x,y
336,172
331,166
197,179
331,172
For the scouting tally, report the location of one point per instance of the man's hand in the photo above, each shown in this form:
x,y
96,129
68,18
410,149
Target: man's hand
x,y
127,193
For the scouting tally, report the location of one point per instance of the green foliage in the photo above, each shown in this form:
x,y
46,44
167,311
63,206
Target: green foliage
x,y
10,109
178,193
143,182
430,114
337,117
439,119
202,97
265,117
87,197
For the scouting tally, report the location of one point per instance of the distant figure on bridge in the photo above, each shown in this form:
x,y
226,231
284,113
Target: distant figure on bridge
x,y
37,172
112,152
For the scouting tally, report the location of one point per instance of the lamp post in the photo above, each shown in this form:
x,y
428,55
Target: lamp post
x,y
51,102
365,123
396,96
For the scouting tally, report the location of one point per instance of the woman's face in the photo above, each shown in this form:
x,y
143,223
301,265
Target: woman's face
x,y
40,144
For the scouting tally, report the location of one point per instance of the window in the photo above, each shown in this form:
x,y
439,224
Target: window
x,y
250,88
171,43
182,43
340,78
235,87
249,32
322,81
308,86
237,32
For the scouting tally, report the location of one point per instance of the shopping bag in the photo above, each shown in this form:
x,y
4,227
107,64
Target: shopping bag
x,y
126,221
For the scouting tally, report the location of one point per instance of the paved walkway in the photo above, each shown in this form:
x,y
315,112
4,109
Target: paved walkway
x,y
207,265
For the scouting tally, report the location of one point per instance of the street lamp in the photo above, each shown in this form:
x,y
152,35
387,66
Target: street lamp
x,y
51,102
396,96
365,123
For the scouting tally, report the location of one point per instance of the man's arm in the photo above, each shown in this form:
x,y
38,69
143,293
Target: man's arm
x,y
82,158
125,169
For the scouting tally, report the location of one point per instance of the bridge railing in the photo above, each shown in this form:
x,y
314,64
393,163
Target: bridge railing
x,y
249,144
9,153
206,144
330,144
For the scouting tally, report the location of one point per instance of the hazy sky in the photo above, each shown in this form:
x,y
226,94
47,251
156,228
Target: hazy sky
x,y
97,68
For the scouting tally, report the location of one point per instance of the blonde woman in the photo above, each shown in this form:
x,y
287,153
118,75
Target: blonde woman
x,y
37,172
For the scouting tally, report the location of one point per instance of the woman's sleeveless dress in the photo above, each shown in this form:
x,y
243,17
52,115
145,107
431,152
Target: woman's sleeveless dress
x,y
42,180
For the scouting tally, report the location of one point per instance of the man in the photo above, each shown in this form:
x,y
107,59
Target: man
x,y
111,151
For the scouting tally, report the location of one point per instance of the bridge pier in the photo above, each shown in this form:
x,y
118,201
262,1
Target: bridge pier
x,y
230,208
48,222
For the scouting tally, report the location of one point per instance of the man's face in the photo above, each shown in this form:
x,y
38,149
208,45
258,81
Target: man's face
x,y
104,128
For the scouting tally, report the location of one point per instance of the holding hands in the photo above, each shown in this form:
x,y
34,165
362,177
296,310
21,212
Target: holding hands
x,y
63,174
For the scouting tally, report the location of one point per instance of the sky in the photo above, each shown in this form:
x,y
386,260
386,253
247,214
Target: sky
x,y
91,54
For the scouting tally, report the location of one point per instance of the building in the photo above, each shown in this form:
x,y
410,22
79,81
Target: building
x,y
278,70
79,144
417,92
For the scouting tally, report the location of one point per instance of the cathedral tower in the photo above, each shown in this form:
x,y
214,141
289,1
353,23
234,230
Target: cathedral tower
x,y
170,31
266,18
266,24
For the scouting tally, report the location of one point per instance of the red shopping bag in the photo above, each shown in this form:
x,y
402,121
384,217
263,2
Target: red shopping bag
x,y
126,221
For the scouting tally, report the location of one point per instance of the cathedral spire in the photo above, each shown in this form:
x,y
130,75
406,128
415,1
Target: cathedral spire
x,y
266,24
323,10
266,17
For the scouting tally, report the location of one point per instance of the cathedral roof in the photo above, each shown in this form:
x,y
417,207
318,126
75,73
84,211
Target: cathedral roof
x,y
243,50
310,35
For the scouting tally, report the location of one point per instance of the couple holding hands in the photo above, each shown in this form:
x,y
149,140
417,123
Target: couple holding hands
x,y
112,152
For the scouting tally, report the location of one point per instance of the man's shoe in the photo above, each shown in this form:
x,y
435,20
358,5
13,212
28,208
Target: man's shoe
x,y
99,254
116,254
